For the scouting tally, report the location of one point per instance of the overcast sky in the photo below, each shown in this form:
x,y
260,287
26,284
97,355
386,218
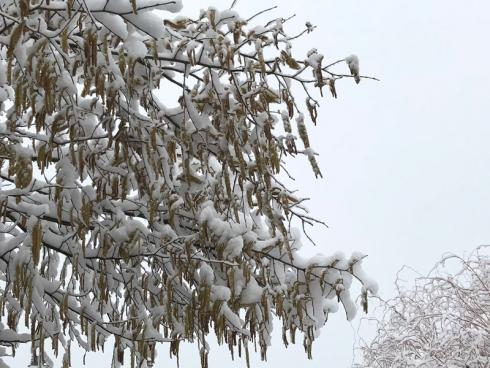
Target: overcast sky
x,y
405,160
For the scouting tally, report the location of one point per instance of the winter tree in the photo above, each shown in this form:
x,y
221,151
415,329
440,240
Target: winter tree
x,y
139,190
443,321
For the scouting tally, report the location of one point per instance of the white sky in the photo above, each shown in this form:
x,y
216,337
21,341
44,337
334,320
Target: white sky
x,y
405,160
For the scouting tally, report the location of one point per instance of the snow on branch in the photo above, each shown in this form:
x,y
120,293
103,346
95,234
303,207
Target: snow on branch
x,y
443,320
139,190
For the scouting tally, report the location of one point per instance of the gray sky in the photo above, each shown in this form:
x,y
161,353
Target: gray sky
x,y
405,160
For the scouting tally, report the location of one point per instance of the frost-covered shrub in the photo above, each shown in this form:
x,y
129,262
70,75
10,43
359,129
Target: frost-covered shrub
x,y
442,322
139,195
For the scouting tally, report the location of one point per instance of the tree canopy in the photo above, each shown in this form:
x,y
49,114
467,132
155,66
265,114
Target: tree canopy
x,y
140,194
443,321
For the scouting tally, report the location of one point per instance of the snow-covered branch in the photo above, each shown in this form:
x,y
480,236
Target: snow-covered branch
x,y
139,197
442,321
